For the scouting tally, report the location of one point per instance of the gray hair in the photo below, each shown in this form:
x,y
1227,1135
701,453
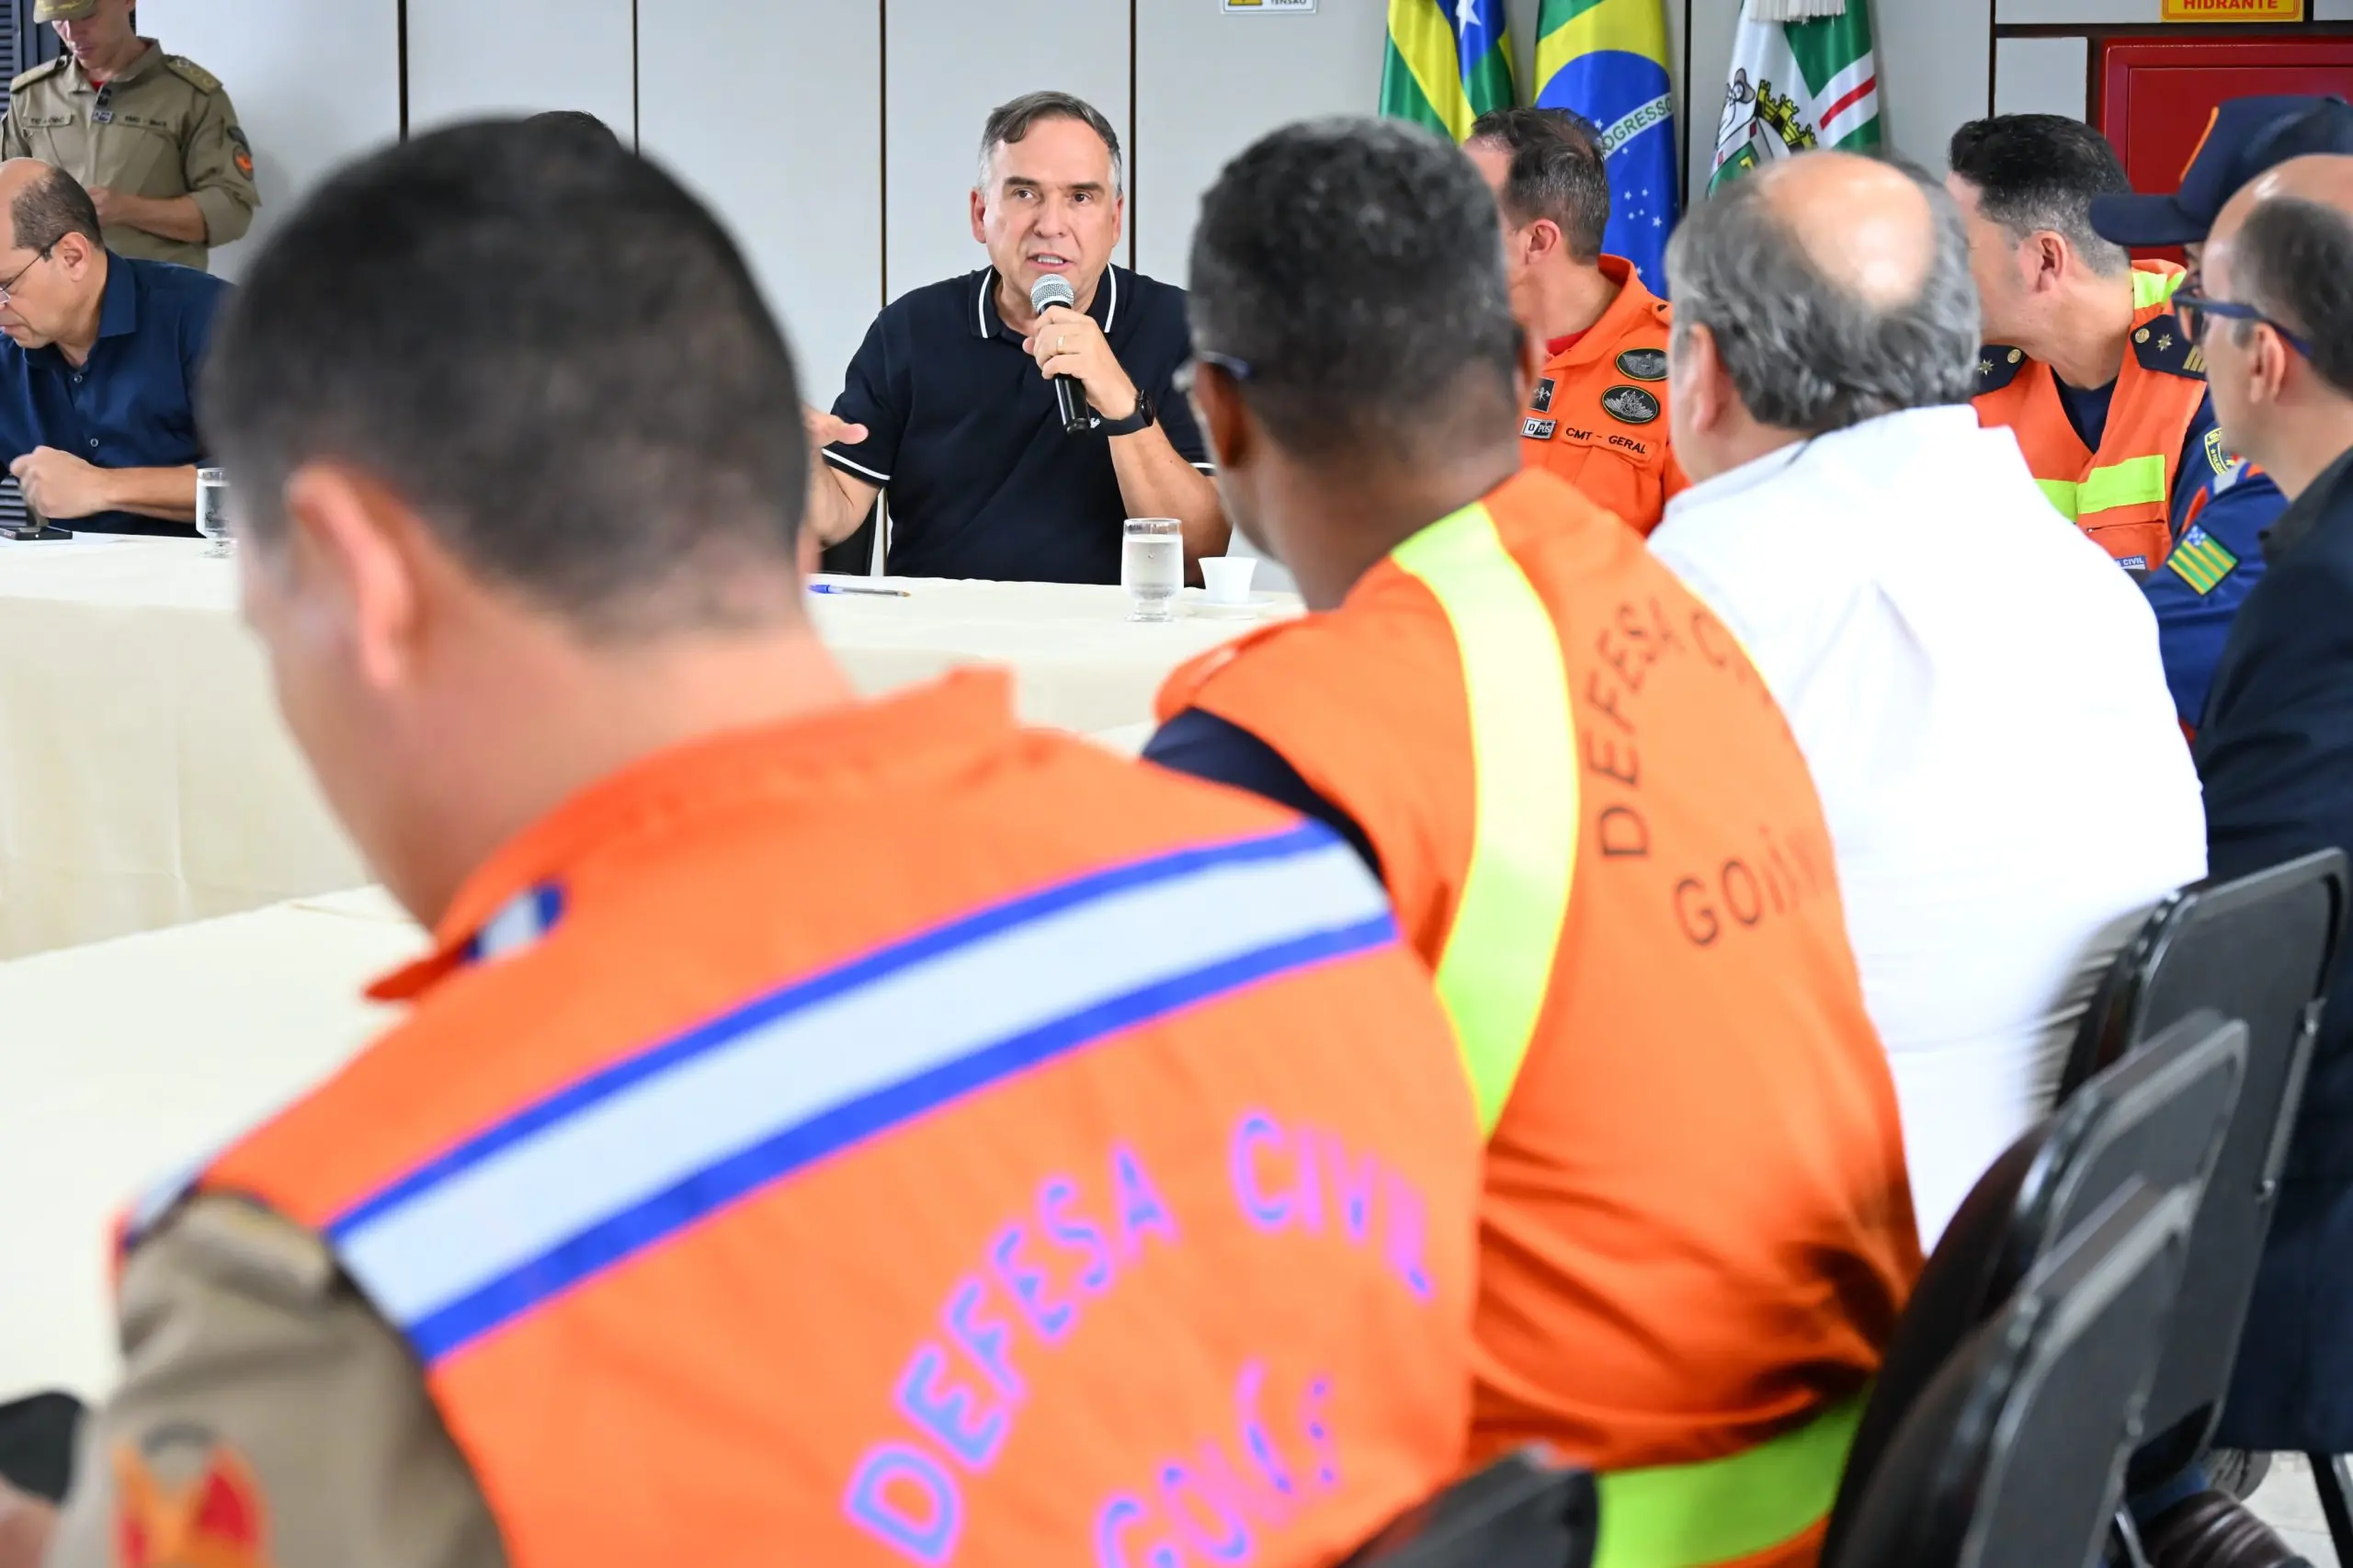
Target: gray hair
x,y
2293,261
1011,121
1806,353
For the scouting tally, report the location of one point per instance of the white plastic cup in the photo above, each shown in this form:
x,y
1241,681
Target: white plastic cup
x,y
1227,577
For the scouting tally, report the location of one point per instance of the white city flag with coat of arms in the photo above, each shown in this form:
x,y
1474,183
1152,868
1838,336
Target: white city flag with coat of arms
x,y
1797,85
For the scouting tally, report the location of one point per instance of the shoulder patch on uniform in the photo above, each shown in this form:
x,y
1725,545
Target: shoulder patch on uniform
x,y
2215,456
1630,405
1643,364
194,75
246,1248
2200,561
1998,364
2162,345
183,1496
1542,401
46,68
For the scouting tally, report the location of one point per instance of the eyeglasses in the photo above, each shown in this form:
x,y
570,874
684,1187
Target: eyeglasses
x,y
1183,380
9,287
2192,304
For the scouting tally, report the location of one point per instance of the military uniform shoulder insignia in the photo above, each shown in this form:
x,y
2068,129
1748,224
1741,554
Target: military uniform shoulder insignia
x,y
46,68
196,75
1643,364
1630,405
2215,456
183,1495
2200,561
1998,364
2162,345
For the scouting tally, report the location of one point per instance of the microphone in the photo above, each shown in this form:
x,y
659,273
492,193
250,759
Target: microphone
x,y
1069,393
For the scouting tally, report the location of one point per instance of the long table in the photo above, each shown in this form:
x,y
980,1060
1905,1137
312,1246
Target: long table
x,y
145,779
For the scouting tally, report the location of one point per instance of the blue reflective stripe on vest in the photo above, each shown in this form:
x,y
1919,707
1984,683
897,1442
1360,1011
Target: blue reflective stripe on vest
x,y
576,1183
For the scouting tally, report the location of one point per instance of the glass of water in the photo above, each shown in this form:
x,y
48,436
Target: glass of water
x,y
1151,567
212,510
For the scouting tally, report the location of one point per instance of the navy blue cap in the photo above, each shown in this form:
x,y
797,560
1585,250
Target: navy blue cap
x,y
2246,137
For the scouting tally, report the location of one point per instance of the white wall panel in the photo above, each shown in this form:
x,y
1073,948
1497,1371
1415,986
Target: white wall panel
x,y
467,59
2333,10
2041,75
314,84
1936,67
944,67
1208,85
781,133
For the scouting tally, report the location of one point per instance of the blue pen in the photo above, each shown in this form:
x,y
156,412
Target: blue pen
x,y
850,588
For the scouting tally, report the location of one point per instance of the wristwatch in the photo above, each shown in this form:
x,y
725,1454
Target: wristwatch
x,y
1142,419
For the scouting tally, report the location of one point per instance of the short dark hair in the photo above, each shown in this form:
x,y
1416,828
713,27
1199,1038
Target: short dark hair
x,y
1558,171
50,208
1803,351
2293,261
1011,121
578,120
1357,267
546,347
2035,172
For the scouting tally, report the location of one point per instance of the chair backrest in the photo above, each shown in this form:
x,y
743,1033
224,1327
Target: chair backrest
x,y
1522,1511
2259,947
2014,1455
2157,1117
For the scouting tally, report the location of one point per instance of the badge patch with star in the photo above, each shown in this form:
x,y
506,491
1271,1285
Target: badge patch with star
x,y
2200,561
1643,364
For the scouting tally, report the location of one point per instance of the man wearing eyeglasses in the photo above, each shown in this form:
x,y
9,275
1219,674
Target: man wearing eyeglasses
x,y
2275,752
97,421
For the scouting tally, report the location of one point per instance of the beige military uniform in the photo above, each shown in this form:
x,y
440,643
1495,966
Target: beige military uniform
x,y
166,128
267,1419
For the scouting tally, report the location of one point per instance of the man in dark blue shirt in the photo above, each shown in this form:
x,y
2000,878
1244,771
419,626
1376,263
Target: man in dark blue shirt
x,y
950,402
97,418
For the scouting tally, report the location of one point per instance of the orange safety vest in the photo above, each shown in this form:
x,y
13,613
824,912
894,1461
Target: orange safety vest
x,y
1698,1226
897,1137
2121,496
1597,416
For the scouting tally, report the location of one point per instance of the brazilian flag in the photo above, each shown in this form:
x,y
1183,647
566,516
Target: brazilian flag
x,y
1449,62
1606,60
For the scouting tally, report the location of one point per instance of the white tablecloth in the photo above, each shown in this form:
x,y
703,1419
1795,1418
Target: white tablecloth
x,y
145,779
123,1062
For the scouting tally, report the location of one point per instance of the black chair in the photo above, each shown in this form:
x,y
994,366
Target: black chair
x,y
1522,1511
2260,948
36,1443
2158,1117
2014,1455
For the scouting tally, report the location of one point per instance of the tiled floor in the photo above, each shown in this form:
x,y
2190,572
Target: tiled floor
x,y
2286,1502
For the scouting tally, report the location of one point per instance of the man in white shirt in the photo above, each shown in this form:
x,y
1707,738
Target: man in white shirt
x,y
1976,687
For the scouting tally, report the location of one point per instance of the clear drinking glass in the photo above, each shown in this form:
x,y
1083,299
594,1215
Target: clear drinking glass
x,y
1152,566
212,510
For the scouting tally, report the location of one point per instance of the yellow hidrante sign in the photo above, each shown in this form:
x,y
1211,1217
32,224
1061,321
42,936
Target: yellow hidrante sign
x,y
2235,10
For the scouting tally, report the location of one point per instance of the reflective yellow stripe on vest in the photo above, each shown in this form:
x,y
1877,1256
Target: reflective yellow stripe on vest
x,y
1681,1516
1498,959
2154,288
1493,977
2134,482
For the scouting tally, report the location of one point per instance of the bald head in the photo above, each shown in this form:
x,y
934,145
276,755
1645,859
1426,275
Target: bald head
x,y
2283,246
2324,180
44,204
1865,225
1835,290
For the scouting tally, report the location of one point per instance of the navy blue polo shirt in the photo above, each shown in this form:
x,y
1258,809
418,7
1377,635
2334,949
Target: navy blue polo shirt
x,y
132,403
964,432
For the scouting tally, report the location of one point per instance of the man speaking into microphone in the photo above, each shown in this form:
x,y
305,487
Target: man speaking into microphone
x,y
1014,432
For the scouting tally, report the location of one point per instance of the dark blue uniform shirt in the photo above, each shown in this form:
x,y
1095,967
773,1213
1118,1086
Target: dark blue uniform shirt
x,y
2220,510
964,433
132,403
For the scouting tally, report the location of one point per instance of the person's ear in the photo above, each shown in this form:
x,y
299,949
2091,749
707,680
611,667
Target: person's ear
x,y
353,556
2046,261
1226,424
980,215
73,253
1698,386
1544,238
2269,363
